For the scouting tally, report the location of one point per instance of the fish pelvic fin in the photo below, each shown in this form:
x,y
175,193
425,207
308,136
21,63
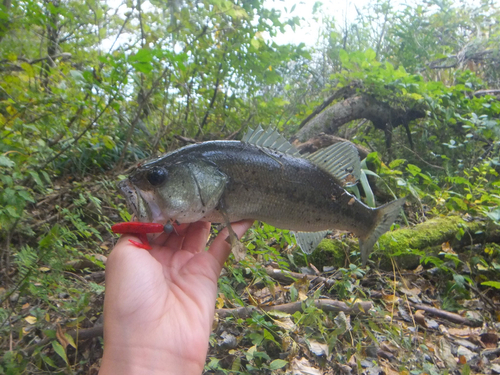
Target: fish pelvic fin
x,y
385,216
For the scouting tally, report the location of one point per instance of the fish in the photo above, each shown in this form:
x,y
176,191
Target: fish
x,y
261,177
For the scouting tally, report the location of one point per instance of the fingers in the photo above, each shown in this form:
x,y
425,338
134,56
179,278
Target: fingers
x,y
196,237
220,249
174,239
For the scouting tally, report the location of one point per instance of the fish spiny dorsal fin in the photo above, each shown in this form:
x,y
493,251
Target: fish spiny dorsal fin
x,y
252,134
270,139
341,160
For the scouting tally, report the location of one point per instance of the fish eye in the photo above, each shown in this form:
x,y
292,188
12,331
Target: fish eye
x,y
157,176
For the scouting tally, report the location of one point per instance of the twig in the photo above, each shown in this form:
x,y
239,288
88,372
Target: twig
x,y
212,101
80,334
452,317
288,276
290,308
138,116
77,138
418,156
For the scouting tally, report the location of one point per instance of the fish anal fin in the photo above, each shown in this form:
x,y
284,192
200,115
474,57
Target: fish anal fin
x,y
308,241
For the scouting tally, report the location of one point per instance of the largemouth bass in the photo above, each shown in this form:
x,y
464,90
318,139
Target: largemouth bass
x,y
262,177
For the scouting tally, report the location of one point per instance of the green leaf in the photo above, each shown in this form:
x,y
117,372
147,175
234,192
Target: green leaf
x,y
60,350
370,54
36,177
143,55
494,284
26,196
28,69
370,197
6,162
277,364
11,210
255,43
344,57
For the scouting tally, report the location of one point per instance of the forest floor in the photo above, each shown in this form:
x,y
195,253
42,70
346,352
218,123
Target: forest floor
x,y
275,313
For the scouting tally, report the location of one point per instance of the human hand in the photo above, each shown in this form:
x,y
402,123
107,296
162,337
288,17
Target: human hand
x,y
159,304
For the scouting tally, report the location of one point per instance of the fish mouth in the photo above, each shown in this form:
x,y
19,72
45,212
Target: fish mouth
x,y
142,204
130,194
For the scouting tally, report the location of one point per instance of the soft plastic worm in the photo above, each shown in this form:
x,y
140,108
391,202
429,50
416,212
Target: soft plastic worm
x,y
140,230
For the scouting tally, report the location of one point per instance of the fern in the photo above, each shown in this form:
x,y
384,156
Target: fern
x,y
26,261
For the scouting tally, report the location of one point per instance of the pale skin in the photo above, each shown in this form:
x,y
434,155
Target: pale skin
x,y
159,304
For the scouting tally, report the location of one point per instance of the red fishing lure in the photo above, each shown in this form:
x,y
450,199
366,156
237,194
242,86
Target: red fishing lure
x,y
140,230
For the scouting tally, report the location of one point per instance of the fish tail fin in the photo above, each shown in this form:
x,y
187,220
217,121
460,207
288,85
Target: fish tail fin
x,y
384,217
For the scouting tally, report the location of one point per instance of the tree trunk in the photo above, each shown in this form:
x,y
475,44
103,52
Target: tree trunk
x,y
361,106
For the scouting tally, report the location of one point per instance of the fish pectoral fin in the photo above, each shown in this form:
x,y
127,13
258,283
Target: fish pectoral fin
x,y
308,241
237,248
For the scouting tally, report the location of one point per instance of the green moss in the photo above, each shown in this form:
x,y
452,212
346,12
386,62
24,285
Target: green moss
x,y
422,236
328,253
399,245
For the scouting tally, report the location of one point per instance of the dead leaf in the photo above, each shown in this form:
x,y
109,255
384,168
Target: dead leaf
x,y
445,354
490,340
410,292
419,269
389,371
25,306
464,332
318,348
385,355
388,347
219,304
390,298
303,367
446,247
30,319
467,354
302,286
60,337
252,300
286,323
239,251
419,318
344,368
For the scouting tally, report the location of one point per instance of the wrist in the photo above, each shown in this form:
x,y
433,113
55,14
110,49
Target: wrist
x,y
126,360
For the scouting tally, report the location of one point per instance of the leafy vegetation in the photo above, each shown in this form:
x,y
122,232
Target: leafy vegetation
x,y
88,90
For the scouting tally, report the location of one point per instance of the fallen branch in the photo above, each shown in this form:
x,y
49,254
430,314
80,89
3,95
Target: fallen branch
x,y
81,334
242,312
343,93
290,308
324,140
452,317
287,277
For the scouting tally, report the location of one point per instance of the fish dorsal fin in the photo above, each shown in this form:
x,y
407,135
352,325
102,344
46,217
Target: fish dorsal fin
x,y
341,160
270,138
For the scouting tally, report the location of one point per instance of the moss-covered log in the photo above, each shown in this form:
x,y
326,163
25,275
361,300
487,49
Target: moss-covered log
x,y
428,237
